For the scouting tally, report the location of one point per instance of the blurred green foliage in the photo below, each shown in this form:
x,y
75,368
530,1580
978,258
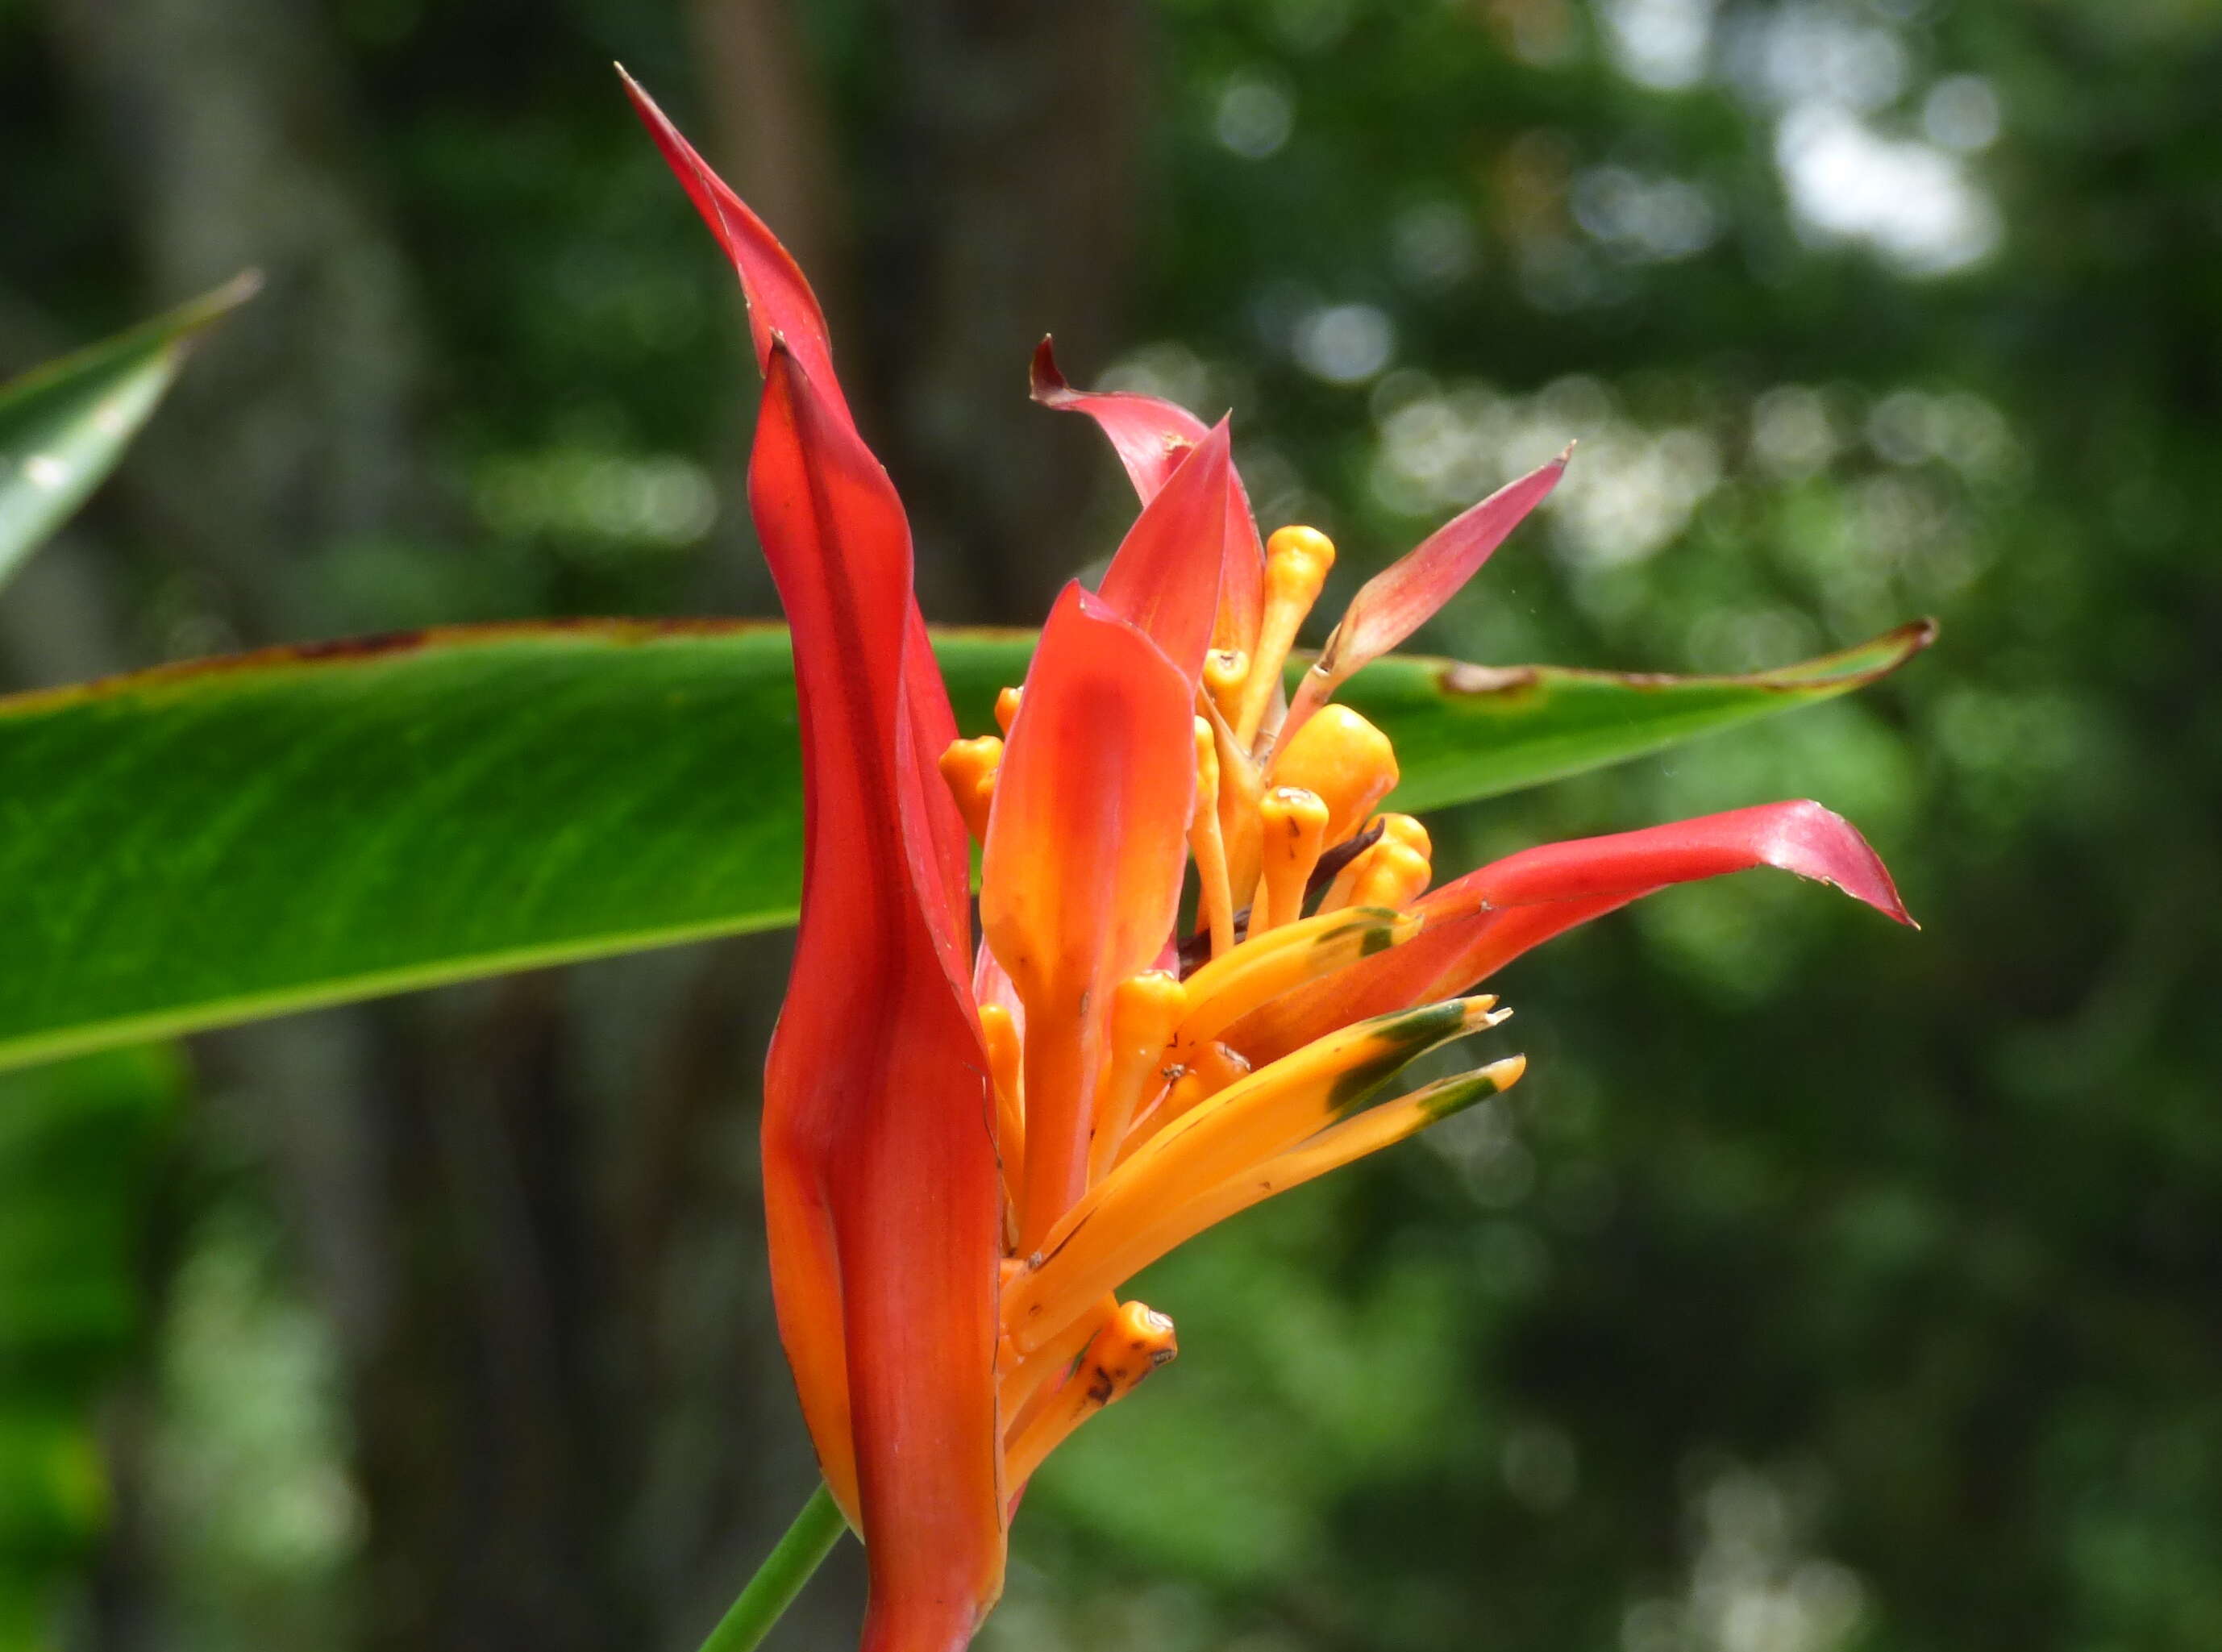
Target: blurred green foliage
x,y
1823,1287
78,1143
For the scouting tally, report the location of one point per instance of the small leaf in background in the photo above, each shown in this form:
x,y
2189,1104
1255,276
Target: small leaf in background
x,y
63,425
210,843
76,1142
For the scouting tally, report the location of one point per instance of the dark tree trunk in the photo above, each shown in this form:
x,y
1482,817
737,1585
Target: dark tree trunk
x,y
1026,123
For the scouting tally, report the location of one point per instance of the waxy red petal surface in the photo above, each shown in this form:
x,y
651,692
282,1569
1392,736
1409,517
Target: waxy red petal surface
x,y
1166,579
781,303
881,1197
879,1178
1151,437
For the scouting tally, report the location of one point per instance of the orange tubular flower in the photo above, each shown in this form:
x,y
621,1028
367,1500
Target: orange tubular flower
x,y
969,1152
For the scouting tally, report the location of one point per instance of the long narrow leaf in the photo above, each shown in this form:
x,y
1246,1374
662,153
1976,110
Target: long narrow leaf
x,y
63,425
1468,732
214,842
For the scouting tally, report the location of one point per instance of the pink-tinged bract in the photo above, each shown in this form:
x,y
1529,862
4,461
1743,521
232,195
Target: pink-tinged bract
x,y
1166,577
1151,437
1406,594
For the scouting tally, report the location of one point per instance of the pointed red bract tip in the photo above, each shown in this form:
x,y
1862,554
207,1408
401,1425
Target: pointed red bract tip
x,y
1818,843
781,304
1801,838
1152,438
1043,381
1166,577
1403,596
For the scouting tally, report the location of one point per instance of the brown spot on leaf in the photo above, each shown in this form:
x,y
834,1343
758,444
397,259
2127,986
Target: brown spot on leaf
x,y
1459,679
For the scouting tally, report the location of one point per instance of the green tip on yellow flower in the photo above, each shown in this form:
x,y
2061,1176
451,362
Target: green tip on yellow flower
x,y
1447,1096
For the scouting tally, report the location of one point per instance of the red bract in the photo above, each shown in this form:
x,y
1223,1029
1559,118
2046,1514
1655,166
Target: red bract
x,y
1151,437
880,1189
1402,597
967,1154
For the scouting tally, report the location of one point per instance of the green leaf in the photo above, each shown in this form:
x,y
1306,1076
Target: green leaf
x,y
1469,731
218,841
213,842
63,425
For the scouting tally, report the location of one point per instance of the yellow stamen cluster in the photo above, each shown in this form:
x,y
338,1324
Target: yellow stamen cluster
x,y
1181,1133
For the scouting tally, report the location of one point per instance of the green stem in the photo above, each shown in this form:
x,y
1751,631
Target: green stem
x,y
781,1578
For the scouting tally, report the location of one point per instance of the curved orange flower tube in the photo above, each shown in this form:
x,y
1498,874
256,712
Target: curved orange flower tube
x,y
969,1152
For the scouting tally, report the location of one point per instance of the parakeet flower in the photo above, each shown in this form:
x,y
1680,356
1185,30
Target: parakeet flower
x,y
970,1147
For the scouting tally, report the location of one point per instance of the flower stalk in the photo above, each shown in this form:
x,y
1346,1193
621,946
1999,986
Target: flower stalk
x,y
792,1563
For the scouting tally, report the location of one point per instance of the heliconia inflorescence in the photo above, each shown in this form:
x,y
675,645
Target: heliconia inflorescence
x,y
968,1148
